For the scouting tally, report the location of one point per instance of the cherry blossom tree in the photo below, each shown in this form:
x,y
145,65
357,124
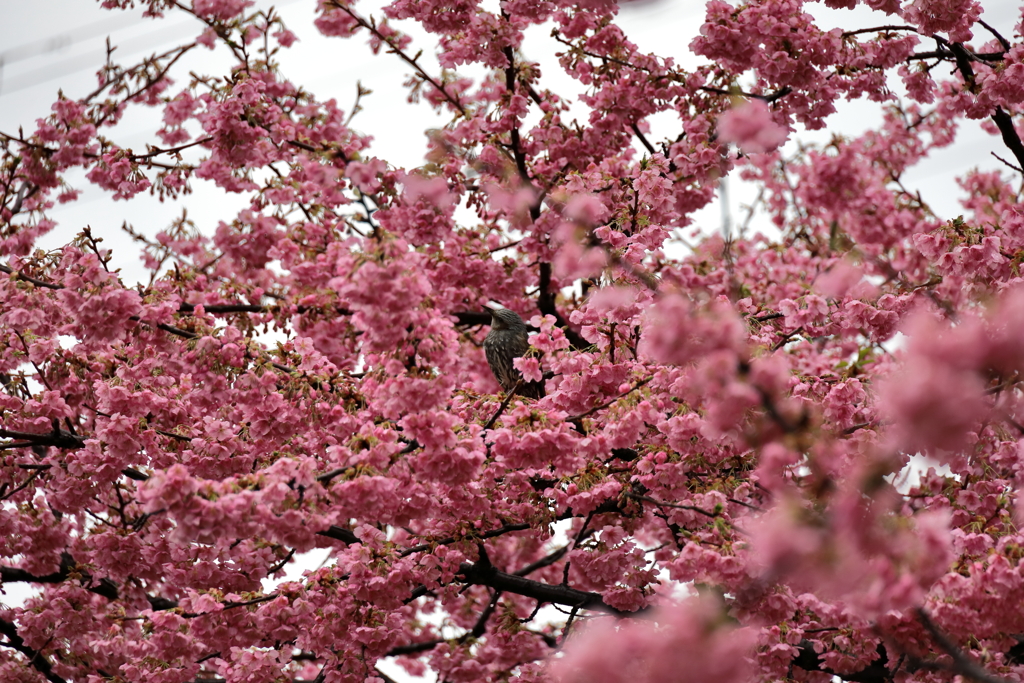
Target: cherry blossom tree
x,y
718,483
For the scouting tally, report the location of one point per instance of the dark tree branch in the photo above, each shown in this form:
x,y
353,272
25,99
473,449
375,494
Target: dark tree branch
x,y
516,142
339,534
962,664
478,630
610,401
103,587
481,574
395,49
36,659
946,54
18,275
504,404
769,98
545,561
501,531
1002,41
224,308
1018,169
1009,134
471,318
546,298
57,438
643,140
234,605
874,29
546,305
876,672
1002,120
26,192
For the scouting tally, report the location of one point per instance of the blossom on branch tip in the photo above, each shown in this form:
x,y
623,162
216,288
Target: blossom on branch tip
x,y
750,125
270,449
689,641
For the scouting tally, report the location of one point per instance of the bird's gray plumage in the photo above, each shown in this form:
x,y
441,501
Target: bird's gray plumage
x,y
507,341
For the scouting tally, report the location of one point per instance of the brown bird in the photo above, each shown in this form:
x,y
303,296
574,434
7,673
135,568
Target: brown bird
x,y
507,341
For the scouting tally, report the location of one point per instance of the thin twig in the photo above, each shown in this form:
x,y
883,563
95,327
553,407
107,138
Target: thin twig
x,y
504,404
610,401
961,663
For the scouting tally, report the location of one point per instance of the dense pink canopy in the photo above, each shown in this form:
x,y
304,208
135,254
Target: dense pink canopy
x,y
719,484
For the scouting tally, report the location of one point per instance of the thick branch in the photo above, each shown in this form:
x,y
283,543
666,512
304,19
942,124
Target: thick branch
x,y
103,587
58,438
476,632
340,534
481,574
1002,120
876,672
1009,134
962,664
546,305
35,658
471,318
769,98
517,150
874,29
18,275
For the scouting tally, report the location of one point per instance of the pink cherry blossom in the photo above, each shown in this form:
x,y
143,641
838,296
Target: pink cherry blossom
x,y
693,642
272,449
751,127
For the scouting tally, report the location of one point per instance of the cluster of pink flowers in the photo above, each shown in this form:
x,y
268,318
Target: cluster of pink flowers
x,y
723,479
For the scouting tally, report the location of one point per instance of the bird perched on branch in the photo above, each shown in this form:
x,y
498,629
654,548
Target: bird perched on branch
x,y
507,341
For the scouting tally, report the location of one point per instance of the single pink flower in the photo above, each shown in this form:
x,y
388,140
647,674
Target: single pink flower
x,y
751,127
